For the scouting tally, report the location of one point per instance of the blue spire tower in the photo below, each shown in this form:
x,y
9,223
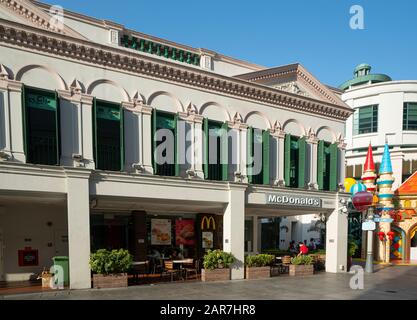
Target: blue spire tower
x,y
385,196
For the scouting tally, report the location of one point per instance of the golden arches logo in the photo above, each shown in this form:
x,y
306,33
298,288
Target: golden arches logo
x,y
208,221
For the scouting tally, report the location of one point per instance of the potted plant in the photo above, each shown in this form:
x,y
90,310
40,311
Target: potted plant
x,y
217,265
110,268
301,266
352,247
258,266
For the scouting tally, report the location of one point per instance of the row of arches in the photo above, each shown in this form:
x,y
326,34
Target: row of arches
x,y
106,89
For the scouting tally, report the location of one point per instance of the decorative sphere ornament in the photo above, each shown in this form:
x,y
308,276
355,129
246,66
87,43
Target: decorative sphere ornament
x,y
358,187
362,200
349,182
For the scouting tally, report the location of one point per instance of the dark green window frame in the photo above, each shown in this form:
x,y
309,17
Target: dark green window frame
x,y
108,155
158,118
327,163
216,171
410,116
264,175
294,161
41,146
365,120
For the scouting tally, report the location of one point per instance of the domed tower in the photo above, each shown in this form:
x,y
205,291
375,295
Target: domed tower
x,y
362,75
385,201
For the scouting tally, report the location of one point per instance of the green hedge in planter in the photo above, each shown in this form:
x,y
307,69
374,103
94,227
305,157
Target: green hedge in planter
x,y
218,259
302,260
276,252
104,261
259,260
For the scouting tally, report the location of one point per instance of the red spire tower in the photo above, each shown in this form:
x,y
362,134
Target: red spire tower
x,y
369,174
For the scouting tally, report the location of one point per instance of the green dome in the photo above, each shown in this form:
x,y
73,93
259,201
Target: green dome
x,y
362,75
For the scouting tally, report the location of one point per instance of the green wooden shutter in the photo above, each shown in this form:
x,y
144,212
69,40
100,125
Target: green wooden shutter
x,y
265,156
58,129
122,139
287,159
301,161
95,151
176,151
320,164
249,164
153,140
333,167
224,151
24,120
206,148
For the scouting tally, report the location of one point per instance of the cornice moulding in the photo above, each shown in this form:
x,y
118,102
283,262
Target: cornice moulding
x,y
77,49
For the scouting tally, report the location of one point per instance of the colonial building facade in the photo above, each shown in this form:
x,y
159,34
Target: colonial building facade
x,y
81,103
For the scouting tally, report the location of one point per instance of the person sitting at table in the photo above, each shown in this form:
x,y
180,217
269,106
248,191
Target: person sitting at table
x,y
176,255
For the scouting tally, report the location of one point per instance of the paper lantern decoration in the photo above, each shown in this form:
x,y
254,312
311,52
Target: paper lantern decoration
x,y
349,182
358,187
362,200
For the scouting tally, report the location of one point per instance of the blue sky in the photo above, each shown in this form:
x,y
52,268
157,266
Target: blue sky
x,y
272,33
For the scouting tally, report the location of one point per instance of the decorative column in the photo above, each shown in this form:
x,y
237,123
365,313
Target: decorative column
x,y
239,158
386,205
336,240
278,136
234,228
341,145
138,136
76,125
312,142
11,119
78,213
194,136
136,115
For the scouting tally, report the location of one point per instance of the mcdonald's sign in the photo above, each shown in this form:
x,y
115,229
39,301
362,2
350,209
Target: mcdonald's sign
x,y
206,222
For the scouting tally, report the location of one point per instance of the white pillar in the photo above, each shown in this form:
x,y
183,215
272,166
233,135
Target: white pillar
x,y
312,184
397,158
255,234
336,240
78,227
234,228
280,179
146,140
12,119
342,163
198,145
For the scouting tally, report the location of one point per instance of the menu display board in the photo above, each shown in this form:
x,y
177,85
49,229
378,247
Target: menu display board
x,y
161,232
184,232
207,237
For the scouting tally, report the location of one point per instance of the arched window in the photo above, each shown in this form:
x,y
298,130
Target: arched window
x,y
327,161
108,135
294,161
215,150
41,119
258,156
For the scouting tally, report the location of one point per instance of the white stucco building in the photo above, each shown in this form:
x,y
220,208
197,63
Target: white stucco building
x,y
80,104
385,111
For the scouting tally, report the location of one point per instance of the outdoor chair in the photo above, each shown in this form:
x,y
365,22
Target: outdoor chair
x,y
190,267
169,269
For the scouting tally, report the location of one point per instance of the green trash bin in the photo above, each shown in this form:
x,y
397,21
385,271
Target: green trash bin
x,y
64,263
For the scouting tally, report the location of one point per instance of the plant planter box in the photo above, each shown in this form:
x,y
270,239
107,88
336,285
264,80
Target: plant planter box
x,y
258,272
215,275
109,281
301,270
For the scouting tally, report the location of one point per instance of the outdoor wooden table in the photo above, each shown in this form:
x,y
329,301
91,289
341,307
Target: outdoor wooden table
x,y
181,262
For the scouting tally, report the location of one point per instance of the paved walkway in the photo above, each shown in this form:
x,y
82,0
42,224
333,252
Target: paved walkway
x,y
389,282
